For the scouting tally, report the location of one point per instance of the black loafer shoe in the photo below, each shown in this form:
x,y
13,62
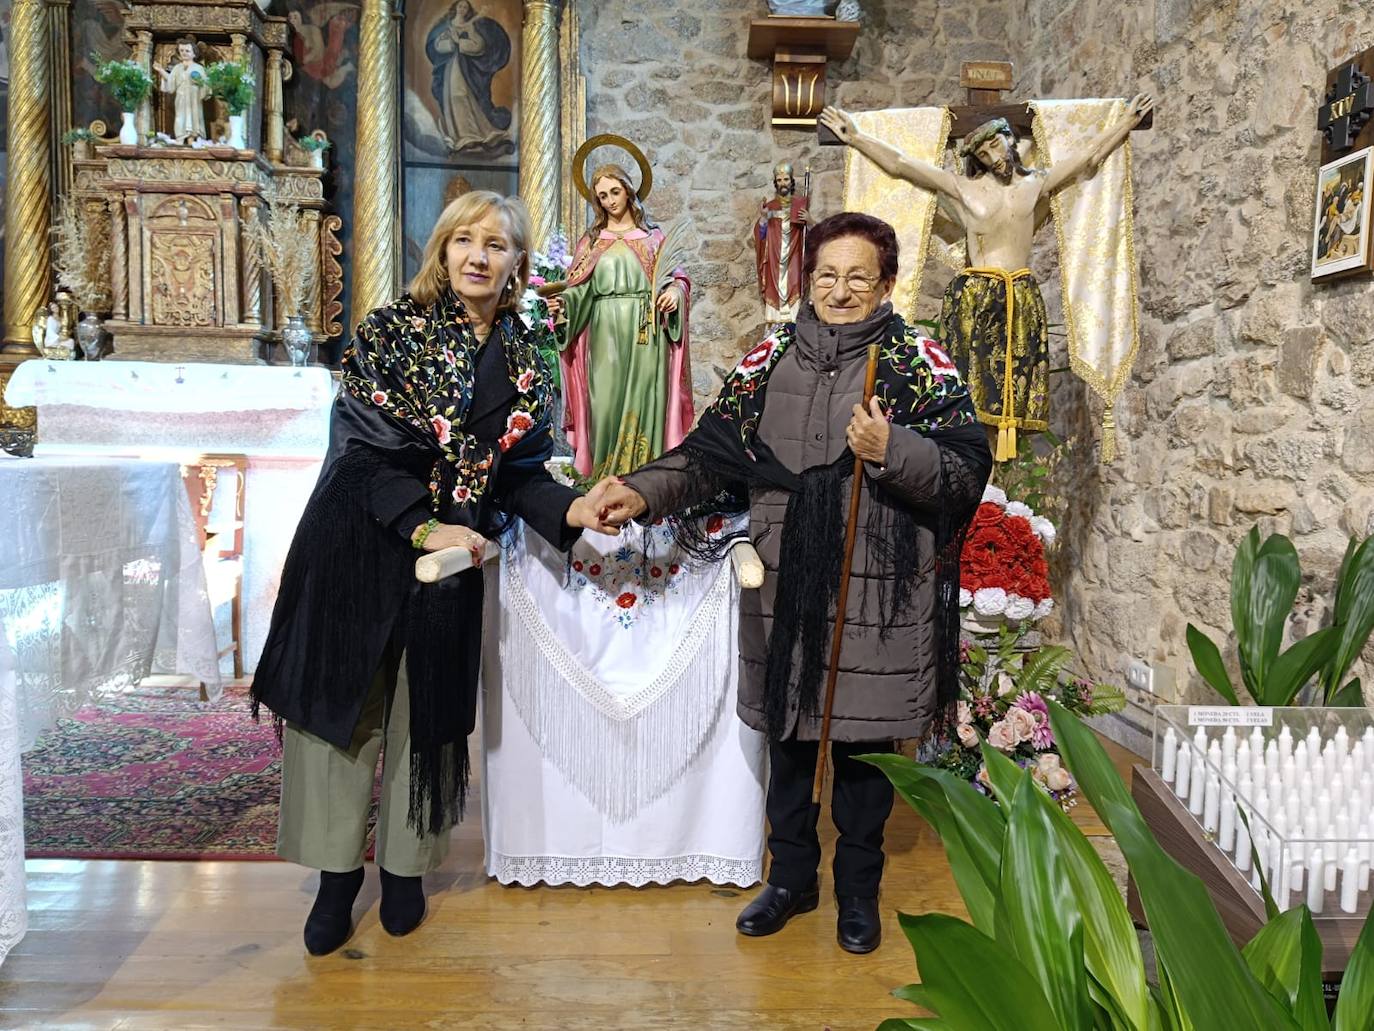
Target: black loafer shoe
x,y
773,907
859,928
331,917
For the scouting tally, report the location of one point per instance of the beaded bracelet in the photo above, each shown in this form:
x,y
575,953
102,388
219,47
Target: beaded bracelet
x,y
418,541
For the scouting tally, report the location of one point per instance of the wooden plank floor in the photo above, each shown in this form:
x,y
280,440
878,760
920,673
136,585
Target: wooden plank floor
x,y
127,945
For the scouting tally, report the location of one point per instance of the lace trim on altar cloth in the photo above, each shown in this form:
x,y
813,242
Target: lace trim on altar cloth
x,y
584,871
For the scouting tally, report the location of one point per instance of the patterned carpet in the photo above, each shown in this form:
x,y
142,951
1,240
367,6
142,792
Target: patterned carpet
x,y
153,773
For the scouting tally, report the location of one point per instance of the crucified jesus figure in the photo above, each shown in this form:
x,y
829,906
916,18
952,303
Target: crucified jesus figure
x,y
993,314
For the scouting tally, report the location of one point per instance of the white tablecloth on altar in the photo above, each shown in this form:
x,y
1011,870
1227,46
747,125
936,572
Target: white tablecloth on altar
x,y
101,583
612,751
276,416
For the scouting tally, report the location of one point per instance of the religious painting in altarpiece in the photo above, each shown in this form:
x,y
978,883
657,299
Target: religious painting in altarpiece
x,y
460,109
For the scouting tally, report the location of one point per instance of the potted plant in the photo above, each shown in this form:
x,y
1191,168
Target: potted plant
x,y
231,83
81,259
284,240
1264,585
130,85
1049,943
315,145
80,142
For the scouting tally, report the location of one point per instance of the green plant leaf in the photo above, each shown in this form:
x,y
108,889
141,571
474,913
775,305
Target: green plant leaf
x,y
914,1024
970,827
1349,697
1041,672
1242,607
1271,908
1296,666
1110,945
956,962
1273,590
1355,1007
1211,981
1207,661
1286,955
1042,921
1354,615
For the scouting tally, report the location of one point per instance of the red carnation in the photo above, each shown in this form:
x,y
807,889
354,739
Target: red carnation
x,y
626,600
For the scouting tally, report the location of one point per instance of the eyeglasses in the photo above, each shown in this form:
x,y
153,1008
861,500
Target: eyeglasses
x,y
857,284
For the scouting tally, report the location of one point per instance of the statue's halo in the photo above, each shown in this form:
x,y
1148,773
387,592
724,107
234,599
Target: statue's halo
x,y
605,139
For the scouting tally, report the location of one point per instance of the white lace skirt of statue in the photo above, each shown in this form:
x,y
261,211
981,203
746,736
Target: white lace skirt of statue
x,y
612,751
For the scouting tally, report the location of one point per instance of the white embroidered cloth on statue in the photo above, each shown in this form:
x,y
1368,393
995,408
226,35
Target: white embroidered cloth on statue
x,y
612,751
101,583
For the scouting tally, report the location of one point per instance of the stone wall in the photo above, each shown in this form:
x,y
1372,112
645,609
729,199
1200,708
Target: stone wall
x,y
674,78
1251,397
1250,401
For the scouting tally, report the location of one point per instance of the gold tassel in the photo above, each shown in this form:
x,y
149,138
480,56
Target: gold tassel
x,y
1108,435
1006,440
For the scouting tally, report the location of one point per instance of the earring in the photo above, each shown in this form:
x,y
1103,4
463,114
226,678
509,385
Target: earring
x,y
440,276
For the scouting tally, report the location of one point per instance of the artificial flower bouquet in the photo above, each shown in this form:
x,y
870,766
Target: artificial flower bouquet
x,y
549,266
1004,689
1003,572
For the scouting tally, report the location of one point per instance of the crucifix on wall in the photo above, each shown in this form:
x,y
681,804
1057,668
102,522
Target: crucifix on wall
x,y
993,318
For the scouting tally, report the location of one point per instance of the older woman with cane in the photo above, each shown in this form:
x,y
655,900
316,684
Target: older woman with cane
x,y
848,398
438,437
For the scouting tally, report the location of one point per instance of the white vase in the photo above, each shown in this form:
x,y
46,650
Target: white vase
x,y
236,139
317,159
128,131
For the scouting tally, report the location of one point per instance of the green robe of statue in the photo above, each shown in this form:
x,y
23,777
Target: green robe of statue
x,y
625,370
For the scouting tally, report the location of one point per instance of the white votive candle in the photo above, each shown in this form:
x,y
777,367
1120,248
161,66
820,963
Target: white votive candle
x,y
1226,833
1200,739
1242,852
1183,775
1211,804
1197,787
1168,758
1329,872
1316,885
1285,740
1228,743
1350,876
1323,809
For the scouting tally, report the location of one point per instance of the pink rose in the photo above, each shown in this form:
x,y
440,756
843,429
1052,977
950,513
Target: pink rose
x,y
462,493
1047,763
1002,736
1058,780
537,280
379,397
441,427
1021,724
417,322
525,382
968,737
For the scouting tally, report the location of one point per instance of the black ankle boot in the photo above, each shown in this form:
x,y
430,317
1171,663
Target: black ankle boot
x,y
331,917
403,904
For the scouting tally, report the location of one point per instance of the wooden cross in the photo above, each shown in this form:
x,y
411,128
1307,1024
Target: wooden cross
x,y
986,81
1349,104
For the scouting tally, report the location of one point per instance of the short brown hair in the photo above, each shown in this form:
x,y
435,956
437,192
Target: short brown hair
x,y
465,211
853,223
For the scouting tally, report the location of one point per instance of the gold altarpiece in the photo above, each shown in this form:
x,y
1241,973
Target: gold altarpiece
x,y
186,281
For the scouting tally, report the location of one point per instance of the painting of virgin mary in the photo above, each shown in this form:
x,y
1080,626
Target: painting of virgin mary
x,y
467,50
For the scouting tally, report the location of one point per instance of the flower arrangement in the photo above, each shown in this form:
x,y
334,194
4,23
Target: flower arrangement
x,y
77,136
549,266
127,80
231,83
1003,571
314,143
284,241
1004,690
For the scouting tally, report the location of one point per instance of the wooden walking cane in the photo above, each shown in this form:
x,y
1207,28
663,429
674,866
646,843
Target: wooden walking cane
x,y
851,531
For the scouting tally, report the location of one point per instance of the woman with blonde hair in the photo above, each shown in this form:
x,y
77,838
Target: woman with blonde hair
x,y
437,439
626,366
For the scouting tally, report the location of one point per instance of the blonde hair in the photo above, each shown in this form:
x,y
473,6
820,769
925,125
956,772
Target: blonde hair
x,y
469,209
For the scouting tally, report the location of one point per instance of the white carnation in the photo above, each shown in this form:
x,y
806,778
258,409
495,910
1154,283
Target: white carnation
x,y
1044,529
965,598
989,601
994,494
1044,608
1017,508
1019,607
